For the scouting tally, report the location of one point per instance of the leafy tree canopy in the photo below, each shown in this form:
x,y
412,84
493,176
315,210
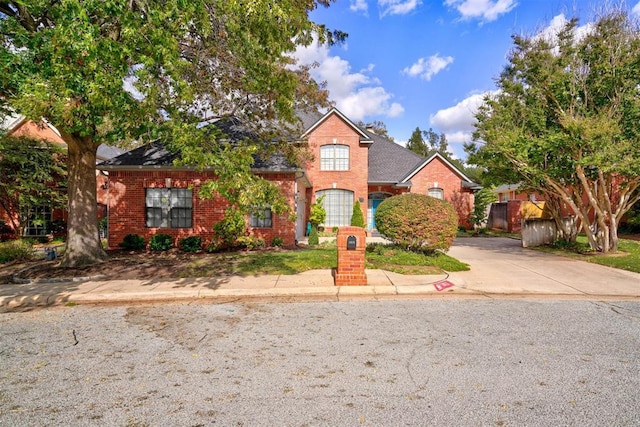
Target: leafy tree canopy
x,y
32,174
426,142
116,71
564,123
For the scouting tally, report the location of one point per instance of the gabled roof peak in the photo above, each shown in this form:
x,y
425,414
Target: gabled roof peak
x,y
436,155
364,137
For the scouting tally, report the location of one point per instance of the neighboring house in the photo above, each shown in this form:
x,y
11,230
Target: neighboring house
x,y
149,195
18,125
512,207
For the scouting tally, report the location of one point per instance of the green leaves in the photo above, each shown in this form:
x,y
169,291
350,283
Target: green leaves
x,y
130,71
564,121
32,174
416,221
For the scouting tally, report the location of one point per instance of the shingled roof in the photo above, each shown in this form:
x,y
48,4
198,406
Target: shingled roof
x,y
155,155
389,162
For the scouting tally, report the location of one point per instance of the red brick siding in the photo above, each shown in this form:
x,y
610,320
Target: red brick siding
x,y
282,227
350,269
355,179
386,189
451,184
514,216
127,212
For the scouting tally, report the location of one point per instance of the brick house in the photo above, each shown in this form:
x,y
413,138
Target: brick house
x,y
149,195
512,207
350,163
19,126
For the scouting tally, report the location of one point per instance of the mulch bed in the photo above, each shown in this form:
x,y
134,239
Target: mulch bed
x,y
119,265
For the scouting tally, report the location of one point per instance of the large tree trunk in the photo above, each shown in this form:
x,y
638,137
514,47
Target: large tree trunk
x,y
83,239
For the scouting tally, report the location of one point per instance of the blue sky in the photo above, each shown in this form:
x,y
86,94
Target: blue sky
x,y
422,63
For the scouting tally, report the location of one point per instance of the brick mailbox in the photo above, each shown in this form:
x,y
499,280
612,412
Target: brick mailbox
x,y
351,242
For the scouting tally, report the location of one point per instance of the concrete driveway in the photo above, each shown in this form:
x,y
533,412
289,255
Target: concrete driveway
x,y
501,265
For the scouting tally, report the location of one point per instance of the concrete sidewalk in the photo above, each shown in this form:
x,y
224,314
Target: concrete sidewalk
x,y
310,285
499,268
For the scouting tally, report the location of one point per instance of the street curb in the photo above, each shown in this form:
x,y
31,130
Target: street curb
x,y
343,293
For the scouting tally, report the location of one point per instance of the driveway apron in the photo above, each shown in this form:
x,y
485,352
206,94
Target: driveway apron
x,y
501,265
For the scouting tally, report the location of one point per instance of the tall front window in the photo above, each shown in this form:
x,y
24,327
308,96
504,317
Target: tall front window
x,y
339,207
169,207
334,157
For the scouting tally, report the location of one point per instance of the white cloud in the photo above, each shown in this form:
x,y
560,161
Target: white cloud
x,y
397,7
356,94
458,122
557,23
426,68
485,10
395,110
636,9
359,6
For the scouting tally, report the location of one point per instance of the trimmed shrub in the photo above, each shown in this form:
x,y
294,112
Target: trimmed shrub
x,y
251,242
213,247
313,236
190,244
357,218
317,213
15,251
161,242
416,221
277,242
133,242
229,230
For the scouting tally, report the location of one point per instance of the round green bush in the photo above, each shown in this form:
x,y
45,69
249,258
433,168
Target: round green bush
x,y
190,244
161,242
133,242
417,221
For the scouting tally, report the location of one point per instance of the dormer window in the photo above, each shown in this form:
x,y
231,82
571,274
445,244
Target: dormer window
x,y
334,157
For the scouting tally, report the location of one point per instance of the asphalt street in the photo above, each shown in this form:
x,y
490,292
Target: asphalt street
x,y
393,362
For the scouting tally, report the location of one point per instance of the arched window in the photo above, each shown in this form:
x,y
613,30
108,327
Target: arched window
x,y
339,207
438,193
334,157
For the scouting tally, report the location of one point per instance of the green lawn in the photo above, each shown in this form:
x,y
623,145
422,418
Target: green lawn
x,y
627,257
325,256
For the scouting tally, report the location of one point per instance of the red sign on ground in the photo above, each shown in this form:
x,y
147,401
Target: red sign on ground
x,y
440,286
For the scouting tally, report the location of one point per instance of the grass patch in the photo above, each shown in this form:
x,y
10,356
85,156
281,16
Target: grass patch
x,y
15,250
627,257
484,232
324,256
288,262
393,258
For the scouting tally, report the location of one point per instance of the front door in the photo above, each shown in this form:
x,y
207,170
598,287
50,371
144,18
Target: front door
x,y
373,213
373,205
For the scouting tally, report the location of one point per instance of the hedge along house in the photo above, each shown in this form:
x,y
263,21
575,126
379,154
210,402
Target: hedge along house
x,y
149,195
350,163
